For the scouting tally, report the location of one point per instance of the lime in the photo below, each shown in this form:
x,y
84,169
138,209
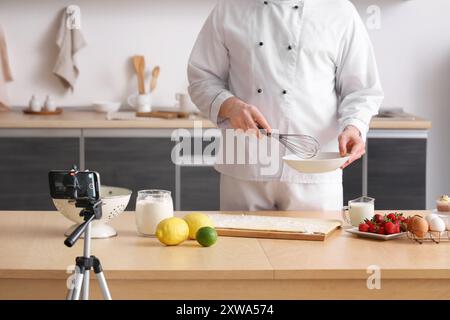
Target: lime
x,y
206,236
195,221
172,231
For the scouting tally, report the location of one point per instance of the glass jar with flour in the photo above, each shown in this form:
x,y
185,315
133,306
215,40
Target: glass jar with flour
x,y
152,206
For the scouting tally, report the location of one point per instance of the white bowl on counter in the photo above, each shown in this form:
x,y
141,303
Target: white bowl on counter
x,y
106,106
114,202
322,162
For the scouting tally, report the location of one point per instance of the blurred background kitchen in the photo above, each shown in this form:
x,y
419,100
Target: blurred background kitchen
x,y
413,53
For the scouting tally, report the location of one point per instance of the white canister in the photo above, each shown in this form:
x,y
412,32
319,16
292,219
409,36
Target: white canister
x,y
141,102
35,105
50,104
152,206
184,103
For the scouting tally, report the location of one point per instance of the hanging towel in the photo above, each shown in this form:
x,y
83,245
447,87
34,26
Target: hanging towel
x,y
69,41
5,71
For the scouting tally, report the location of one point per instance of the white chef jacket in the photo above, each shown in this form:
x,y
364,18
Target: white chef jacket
x,y
307,65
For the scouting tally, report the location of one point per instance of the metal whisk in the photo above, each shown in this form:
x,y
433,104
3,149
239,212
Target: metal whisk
x,y
301,145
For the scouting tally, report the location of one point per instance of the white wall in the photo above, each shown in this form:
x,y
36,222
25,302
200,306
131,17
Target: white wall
x,y
162,30
413,50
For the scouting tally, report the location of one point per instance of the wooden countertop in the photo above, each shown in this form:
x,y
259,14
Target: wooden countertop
x,y
92,120
399,123
31,244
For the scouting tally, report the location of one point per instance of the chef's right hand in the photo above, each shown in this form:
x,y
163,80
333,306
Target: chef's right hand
x,y
243,116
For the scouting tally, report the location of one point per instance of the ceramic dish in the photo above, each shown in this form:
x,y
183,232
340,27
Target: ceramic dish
x,y
106,106
355,231
322,162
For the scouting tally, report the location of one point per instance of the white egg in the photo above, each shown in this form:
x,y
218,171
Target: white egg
x,y
430,217
447,222
437,224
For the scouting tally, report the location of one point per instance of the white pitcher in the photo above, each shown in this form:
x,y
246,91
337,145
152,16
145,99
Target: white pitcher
x,y
358,210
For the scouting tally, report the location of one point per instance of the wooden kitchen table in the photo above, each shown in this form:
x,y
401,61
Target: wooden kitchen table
x,y
34,264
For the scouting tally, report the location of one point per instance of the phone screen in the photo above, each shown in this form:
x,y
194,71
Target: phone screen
x,y
71,185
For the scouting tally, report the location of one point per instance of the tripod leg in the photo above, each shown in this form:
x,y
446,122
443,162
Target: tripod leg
x,y
101,278
85,288
71,285
78,284
103,286
87,262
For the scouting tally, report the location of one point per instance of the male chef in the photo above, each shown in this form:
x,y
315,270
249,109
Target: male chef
x,y
297,66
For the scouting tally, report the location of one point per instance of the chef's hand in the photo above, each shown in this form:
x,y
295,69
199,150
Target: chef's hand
x,y
350,142
243,116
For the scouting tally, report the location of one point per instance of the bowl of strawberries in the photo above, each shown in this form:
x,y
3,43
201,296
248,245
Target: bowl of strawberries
x,y
383,227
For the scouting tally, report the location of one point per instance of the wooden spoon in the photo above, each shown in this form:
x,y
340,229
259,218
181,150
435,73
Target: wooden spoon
x,y
155,74
139,67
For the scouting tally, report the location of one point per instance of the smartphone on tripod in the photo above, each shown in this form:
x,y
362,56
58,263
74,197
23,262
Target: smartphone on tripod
x,y
83,187
73,184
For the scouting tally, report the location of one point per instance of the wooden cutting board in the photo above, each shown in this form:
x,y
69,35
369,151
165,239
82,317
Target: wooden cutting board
x,y
44,112
163,114
272,227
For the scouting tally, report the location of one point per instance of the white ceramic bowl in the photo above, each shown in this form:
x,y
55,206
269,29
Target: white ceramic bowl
x,y
322,162
106,106
114,202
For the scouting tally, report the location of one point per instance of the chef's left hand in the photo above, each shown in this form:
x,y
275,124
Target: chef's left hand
x,y
350,142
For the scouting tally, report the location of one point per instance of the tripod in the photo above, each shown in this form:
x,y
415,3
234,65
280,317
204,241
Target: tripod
x,y
83,264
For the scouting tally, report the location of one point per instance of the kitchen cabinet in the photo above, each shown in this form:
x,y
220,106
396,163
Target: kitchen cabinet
x,y
393,172
199,188
352,179
197,181
24,165
397,173
135,163
137,154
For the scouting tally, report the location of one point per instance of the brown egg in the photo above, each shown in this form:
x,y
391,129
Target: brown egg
x,y
410,222
419,226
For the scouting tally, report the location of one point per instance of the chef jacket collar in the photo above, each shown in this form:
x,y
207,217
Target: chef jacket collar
x,y
299,2
296,1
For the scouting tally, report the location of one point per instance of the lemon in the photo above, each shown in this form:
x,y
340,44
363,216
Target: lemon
x,y
172,231
206,236
195,221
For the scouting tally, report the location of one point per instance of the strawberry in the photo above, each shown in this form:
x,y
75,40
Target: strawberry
x,y
363,227
372,228
381,230
390,227
392,217
369,223
378,218
397,228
